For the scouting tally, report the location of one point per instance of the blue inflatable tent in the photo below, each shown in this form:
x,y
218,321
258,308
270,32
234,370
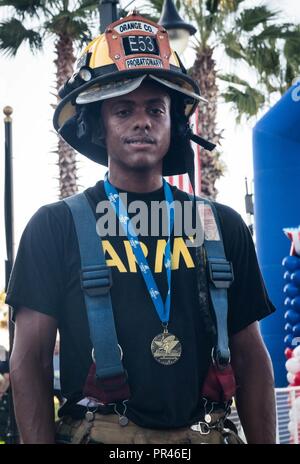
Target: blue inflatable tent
x,y
276,148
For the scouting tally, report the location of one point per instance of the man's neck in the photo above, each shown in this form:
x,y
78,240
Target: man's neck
x,y
136,181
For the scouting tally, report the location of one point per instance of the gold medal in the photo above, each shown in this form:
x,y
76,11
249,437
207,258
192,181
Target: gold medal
x,y
166,348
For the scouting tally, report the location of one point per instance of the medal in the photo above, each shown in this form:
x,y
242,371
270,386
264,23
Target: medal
x,y
166,348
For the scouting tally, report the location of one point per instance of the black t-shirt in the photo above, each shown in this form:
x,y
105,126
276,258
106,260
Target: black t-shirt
x,y
45,278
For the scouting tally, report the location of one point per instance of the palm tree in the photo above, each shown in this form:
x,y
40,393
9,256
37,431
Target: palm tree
x,y
253,39
70,23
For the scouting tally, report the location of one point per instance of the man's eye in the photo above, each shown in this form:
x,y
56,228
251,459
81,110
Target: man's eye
x,y
156,111
122,113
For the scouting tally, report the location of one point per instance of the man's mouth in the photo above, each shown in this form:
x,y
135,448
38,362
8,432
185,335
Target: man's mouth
x,y
140,140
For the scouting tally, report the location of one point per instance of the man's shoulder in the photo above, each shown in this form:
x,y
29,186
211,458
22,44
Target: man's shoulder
x,y
233,228
50,219
226,214
57,214
51,212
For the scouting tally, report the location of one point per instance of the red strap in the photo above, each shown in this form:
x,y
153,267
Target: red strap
x,y
219,385
107,390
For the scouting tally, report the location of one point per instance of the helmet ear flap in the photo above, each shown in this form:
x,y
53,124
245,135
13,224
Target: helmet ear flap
x,y
83,129
180,122
89,125
174,160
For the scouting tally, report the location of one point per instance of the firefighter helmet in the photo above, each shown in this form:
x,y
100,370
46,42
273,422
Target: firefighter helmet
x,y
115,63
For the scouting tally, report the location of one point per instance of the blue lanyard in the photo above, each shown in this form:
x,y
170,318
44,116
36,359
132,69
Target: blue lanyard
x,y
163,310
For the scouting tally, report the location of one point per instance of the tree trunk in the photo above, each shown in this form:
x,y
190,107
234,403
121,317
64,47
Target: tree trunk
x,y
66,154
204,72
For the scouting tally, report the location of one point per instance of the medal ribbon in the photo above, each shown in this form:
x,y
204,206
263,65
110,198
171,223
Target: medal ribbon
x,y
163,310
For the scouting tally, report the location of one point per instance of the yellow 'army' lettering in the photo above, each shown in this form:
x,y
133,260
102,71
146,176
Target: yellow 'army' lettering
x,y
180,250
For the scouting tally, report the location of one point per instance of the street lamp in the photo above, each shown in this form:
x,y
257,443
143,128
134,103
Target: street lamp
x,y
12,433
108,10
179,31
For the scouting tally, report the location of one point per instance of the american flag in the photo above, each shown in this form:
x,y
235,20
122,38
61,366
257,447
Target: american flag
x,y
182,182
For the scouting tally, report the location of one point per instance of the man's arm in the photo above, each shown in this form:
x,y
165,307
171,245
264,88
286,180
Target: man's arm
x,y
255,396
31,374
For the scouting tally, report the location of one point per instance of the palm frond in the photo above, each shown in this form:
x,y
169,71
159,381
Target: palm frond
x,y
13,34
270,87
233,79
250,18
80,31
210,23
291,51
273,31
66,23
233,46
86,8
23,8
246,102
264,58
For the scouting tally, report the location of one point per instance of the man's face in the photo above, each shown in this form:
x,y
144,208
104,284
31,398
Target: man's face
x,y
138,128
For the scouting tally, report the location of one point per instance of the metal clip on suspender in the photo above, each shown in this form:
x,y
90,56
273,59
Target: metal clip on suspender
x,y
220,278
95,275
96,280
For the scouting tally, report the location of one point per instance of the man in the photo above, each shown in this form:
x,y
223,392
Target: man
x,y
144,346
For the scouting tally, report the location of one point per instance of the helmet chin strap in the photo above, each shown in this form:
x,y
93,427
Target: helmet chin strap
x,y
201,141
185,132
190,166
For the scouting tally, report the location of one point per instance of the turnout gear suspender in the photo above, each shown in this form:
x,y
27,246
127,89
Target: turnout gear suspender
x,y
219,385
220,277
110,376
107,380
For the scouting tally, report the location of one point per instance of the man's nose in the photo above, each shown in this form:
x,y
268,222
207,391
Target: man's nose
x,y
143,121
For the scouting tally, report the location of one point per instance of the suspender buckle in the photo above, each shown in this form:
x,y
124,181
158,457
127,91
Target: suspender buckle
x,y
96,280
220,272
220,360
